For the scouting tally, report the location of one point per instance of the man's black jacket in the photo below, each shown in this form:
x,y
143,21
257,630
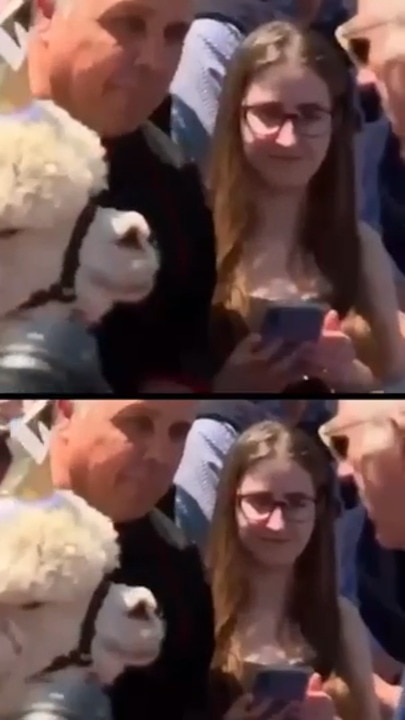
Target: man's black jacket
x,y
165,336
154,554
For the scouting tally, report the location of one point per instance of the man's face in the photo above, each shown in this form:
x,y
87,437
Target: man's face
x,y
121,455
379,27
111,62
374,433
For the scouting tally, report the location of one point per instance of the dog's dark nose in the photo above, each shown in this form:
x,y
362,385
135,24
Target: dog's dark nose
x,y
140,611
130,240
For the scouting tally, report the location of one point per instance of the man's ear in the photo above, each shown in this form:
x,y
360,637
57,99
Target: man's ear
x,y
42,14
44,8
63,411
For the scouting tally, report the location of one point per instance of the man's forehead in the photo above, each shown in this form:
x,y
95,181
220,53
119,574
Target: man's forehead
x,y
349,411
113,408
379,7
165,10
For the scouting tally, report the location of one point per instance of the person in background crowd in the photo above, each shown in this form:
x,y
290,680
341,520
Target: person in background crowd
x,y
271,563
110,65
218,29
121,455
283,193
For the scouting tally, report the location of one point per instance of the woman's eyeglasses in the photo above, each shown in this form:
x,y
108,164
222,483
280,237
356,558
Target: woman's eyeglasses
x,y
259,507
309,120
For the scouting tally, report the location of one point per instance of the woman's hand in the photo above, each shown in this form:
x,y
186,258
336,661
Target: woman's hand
x,y
333,359
317,704
245,708
259,366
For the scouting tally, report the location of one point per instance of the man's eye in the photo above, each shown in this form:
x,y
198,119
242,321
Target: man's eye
x,y
31,606
135,24
176,33
143,424
179,431
8,233
126,23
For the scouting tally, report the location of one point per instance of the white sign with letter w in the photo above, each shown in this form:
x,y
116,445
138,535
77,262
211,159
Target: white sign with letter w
x,y
31,432
12,52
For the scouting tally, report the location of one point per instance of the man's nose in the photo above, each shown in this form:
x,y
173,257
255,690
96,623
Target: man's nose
x,y
287,136
276,520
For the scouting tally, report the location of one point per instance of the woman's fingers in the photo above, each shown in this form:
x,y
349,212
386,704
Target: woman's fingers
x,y
315,684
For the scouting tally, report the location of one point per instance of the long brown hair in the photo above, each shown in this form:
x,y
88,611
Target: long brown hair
x,y
313,592
328,230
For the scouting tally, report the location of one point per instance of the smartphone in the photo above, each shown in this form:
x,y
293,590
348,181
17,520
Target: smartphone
x,y
295,323
283,685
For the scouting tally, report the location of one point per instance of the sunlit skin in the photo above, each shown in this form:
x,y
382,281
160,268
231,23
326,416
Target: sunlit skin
x,y
108,62
121,455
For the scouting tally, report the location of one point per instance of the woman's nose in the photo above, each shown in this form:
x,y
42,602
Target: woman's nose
x,y
276,520
287,136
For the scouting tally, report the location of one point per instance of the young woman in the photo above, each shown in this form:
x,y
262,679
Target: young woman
x,y
283,191
271,562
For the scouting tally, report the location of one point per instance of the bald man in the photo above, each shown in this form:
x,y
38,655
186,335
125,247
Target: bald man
x,y
121,455
377,35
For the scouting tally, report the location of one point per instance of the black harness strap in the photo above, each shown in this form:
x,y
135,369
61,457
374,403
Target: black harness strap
x,y
63,290
81,656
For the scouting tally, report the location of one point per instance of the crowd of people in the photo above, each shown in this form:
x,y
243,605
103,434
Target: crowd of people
x,y
252,192
256,139
268,539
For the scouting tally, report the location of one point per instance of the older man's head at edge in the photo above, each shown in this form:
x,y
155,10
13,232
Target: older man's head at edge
x,y
372,435
379,30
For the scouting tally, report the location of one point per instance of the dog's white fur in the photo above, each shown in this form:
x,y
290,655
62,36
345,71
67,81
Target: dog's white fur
x,y
55,555
50,166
